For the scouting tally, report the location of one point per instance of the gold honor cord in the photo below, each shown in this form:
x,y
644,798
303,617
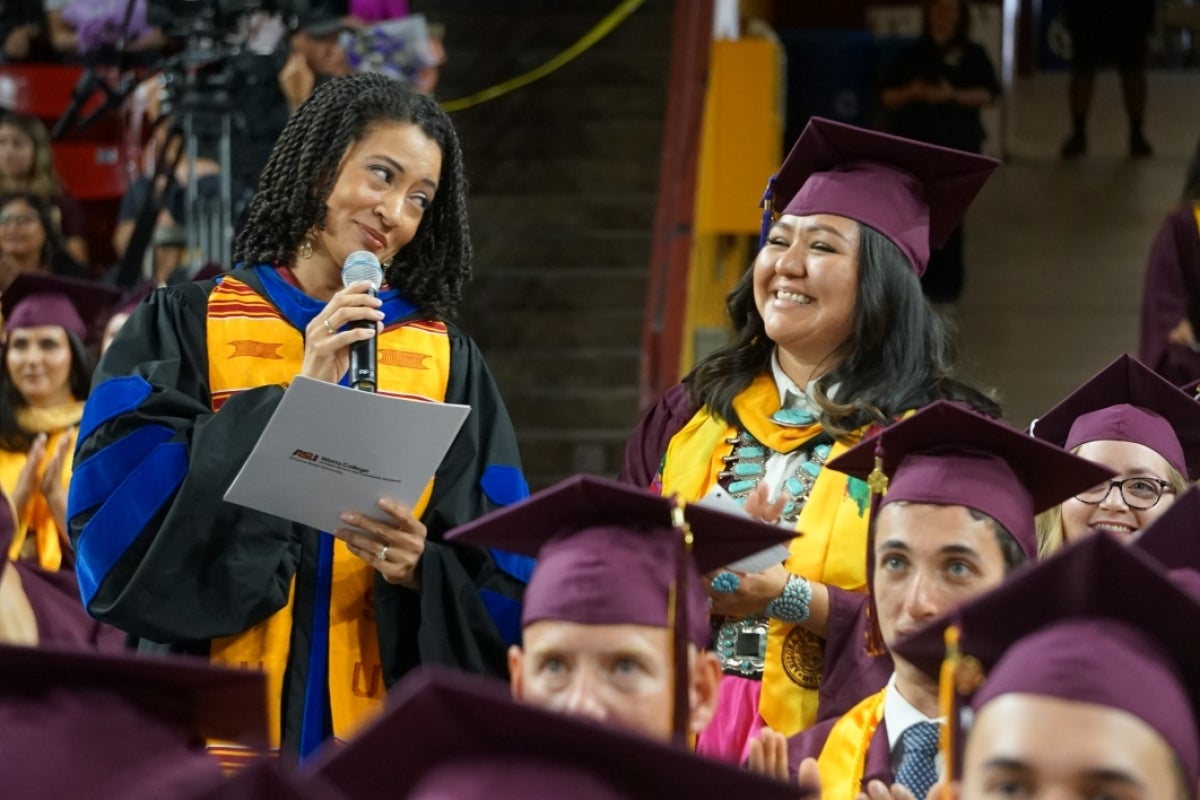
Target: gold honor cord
x,y
602,29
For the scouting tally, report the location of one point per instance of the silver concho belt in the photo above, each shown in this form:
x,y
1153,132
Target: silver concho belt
x,y
741,645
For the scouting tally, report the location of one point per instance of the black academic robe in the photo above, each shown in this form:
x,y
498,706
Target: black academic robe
x,y
170,562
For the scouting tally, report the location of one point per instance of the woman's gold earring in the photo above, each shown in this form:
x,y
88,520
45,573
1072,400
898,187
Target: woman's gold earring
x,y
306,248
387,264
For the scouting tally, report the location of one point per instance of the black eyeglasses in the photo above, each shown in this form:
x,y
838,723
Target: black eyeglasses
x,y
1140,493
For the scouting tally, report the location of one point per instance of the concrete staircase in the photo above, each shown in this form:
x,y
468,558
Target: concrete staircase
x,y
563,177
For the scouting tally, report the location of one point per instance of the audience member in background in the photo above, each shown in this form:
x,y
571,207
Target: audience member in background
x,y
30,241
1107,32
92,28
1131,420
1171,300
173,199
316,55
935,89
46,377
23,32
27,165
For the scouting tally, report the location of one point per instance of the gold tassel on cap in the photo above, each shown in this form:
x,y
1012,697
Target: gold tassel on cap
x,y
877,481
959,678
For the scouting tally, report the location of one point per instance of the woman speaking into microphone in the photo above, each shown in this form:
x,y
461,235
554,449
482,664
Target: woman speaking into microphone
x,y
184,391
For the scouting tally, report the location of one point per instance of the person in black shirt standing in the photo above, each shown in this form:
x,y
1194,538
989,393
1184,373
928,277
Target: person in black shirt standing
x,y
935,90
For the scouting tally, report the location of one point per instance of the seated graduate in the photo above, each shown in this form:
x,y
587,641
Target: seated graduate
x,y
957,516
453,736
1083,678
1136,423
89,725
616,609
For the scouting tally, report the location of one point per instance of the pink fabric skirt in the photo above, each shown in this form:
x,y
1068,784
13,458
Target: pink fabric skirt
x,y
736,723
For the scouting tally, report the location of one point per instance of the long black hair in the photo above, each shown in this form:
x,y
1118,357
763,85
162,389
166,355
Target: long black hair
x,y
55,254
432,269
900,355
15,438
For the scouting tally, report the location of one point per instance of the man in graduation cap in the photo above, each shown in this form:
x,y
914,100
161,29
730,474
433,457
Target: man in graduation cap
x,y
453,736
956,515
1083,676
1136,423
615,624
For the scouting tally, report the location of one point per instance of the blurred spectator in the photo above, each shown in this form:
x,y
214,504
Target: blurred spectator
x,y
80,27
27,165
935,89
378,10
315,56
23,32
1107,32
1171,300
30,240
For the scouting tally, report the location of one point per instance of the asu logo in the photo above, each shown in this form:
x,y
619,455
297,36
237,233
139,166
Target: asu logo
x,y
403,358
249,348
304,454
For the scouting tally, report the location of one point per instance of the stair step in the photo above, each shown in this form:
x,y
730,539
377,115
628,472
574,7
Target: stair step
x,y
513,369
499,328
511,210
566,290
567,136
564,249
545,407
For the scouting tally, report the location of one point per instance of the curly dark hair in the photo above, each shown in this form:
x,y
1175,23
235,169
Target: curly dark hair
x,y
900,355
433,268
15,438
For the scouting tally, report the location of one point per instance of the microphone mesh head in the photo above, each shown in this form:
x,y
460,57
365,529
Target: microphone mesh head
x,y
362,265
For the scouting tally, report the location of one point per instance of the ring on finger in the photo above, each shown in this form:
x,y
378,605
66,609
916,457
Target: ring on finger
x,y
382,554
329,328
725,582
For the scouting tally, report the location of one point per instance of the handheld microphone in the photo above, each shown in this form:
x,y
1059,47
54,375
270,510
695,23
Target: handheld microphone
x,y
362,265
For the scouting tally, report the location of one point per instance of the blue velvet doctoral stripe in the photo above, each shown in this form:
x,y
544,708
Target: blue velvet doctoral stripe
x,y
125,514
299,309
505,613
316,688
110,399
505,485
96,479
518,566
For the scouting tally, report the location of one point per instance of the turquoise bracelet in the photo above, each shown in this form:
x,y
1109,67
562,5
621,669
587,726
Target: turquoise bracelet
x,y
792,605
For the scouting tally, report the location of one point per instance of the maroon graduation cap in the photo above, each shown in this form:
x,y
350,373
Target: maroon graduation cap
x,y
452,736
83,724
612,554
1099,622
913,193
1128,402
947,454
34,300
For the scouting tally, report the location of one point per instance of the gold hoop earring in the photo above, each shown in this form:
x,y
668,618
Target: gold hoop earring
x,y
306,248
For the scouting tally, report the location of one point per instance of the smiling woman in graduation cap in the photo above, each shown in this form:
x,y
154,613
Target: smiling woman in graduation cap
x,y
1137,424
45,380
831,336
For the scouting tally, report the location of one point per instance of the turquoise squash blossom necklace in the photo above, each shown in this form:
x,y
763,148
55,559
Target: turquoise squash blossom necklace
x,y
746,465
